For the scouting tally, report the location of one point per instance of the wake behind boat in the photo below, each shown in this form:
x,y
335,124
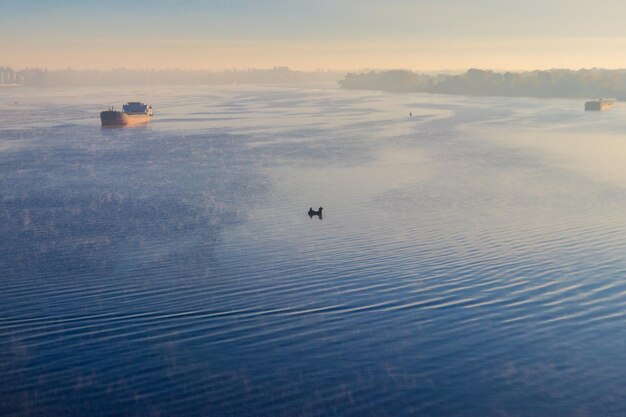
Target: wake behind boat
x,y
132,113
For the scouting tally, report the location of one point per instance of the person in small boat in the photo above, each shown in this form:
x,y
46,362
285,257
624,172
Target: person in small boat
x,y
315,212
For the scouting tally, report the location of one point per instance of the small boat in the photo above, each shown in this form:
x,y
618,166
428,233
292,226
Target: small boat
x,y
132,113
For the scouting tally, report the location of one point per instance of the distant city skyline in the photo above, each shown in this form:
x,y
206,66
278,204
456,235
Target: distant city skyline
x,y
343,35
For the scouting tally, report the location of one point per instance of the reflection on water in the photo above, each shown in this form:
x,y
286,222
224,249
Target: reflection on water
x,y
467,263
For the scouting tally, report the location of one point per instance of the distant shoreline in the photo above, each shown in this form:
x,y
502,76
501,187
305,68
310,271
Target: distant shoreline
x,y
38,77
558,83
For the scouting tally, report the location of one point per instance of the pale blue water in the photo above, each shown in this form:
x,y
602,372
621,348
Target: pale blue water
x,y
470,261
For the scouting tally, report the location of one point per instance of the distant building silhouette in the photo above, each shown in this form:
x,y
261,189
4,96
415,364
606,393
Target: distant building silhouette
x,y
8,76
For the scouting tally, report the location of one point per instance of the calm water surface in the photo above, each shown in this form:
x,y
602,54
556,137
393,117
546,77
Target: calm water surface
x,y
470,261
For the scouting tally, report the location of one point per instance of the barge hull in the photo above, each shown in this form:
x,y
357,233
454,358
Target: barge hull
x,y
116,118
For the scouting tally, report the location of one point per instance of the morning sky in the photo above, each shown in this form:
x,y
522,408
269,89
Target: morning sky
x,y
309,35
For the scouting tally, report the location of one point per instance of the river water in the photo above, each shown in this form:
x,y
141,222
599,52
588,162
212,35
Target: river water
x,y
470,260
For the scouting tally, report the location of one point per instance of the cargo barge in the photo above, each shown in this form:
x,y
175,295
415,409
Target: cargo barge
x,y
133,112
599,105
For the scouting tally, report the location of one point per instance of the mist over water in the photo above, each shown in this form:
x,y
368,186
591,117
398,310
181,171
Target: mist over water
x,y
470,260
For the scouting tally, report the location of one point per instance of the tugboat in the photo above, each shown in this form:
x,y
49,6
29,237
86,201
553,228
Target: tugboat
x,y
132,113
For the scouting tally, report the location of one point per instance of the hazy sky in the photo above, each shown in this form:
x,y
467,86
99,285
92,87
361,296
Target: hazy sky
x,y
312,34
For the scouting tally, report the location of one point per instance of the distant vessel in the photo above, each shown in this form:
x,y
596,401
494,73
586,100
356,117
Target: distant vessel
x,y
132,113
599,105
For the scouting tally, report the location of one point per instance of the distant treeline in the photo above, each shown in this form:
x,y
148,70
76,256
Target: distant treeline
x,y
70,77
586,83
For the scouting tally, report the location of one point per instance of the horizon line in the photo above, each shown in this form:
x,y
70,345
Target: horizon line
x,y
318,70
